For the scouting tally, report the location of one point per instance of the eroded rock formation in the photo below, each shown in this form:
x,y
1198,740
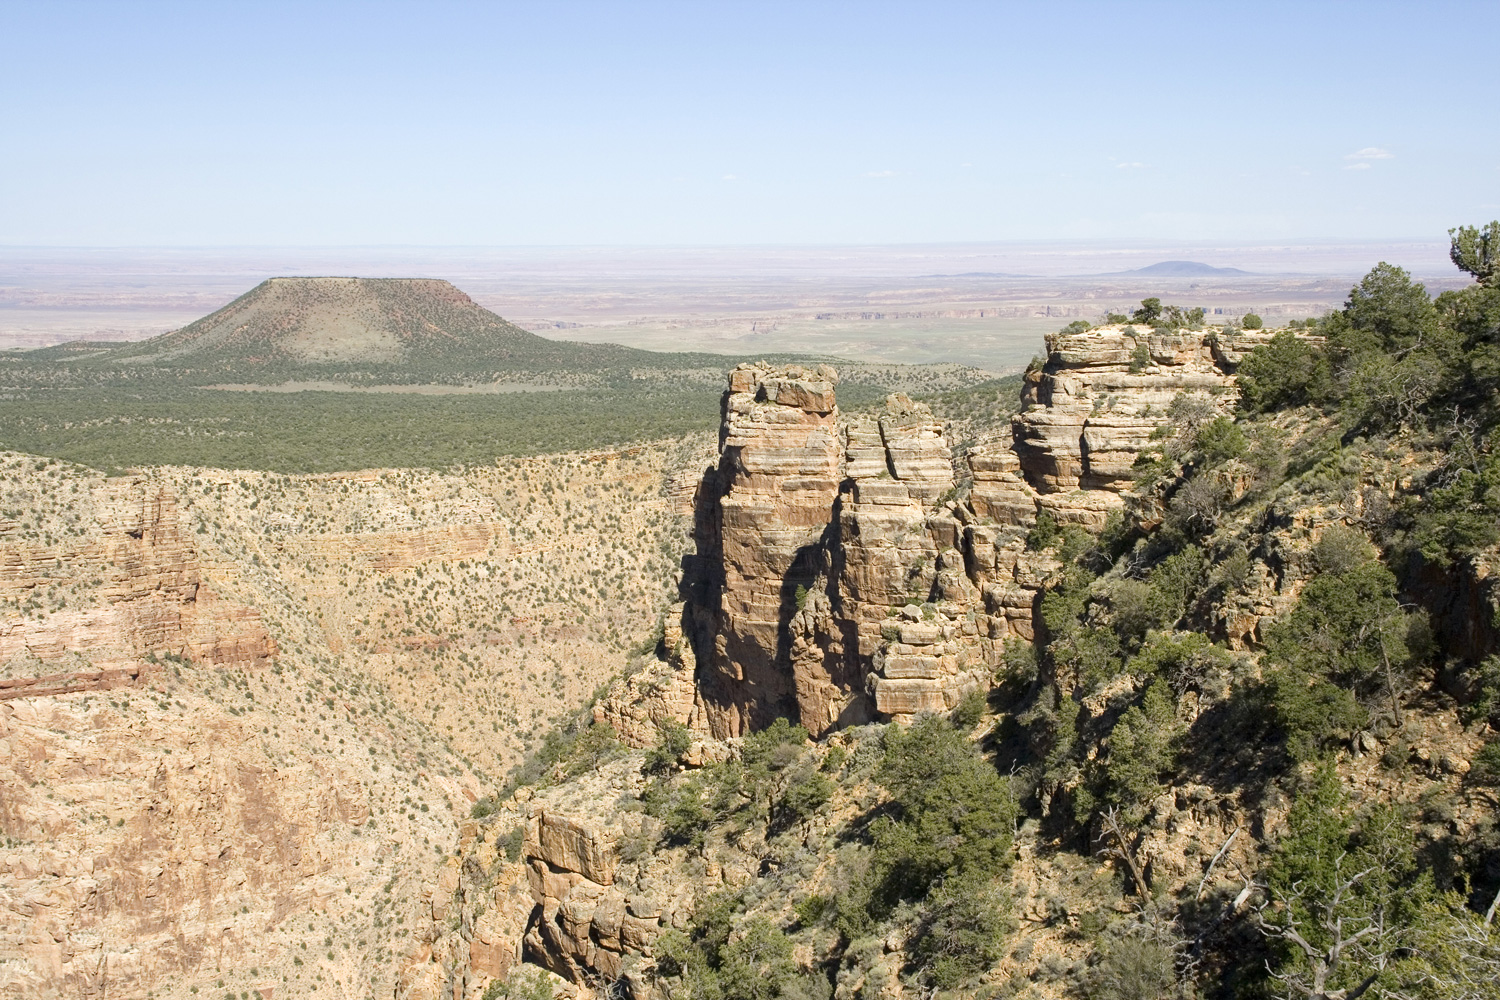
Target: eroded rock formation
x,y
848,568
851,569
1091,409
149,592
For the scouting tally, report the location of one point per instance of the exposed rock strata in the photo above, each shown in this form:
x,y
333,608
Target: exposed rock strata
x,y
766,510
840,575
1091,409
844,573
149,580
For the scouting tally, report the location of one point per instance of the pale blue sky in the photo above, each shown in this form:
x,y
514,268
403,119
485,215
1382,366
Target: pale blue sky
x,y
720,123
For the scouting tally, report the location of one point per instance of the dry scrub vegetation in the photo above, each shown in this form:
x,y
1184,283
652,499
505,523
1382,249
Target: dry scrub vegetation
x,y
291,821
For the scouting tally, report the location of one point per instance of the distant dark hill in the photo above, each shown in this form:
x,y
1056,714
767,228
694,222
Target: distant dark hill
x,y
1183,269
344,321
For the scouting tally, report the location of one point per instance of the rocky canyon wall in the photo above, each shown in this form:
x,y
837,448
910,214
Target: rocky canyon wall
x,y
856,568
125,546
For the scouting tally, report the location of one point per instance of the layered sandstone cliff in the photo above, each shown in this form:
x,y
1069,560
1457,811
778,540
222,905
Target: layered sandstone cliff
x,y
851,569
1092,408
127,542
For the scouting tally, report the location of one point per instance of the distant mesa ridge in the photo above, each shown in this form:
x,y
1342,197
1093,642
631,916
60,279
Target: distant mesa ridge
x,y
339,320
1183,269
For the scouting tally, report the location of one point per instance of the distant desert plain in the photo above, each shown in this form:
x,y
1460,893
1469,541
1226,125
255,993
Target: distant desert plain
x,y
984,305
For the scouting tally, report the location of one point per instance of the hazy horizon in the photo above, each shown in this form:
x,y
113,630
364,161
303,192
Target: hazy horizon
x,y
931,302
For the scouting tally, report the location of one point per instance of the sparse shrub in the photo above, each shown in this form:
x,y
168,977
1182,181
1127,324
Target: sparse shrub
x,y
970,709
1310,712
1461,518
1349,629
1220,440
1484,769
1142,747
1139,964
1182,659
1340,548
1131,609
1196,507
1149,312
1484,703
1250,321
1140,359
806,792
1232,572
951,814
1077,326
524,982
1288,371
669,750
1045,534
963,930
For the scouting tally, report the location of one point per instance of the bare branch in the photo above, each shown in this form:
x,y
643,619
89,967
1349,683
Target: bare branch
x,y
1121,850
1232,834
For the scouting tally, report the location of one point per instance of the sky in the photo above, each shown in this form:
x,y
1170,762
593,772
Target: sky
x,y
721,123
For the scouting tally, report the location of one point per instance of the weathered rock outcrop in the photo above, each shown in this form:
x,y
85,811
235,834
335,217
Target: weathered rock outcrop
x,y
841,576
844,572
151,598
1091,409
560,906
764,514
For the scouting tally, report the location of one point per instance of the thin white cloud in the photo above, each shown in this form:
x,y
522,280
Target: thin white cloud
x,y
881,173
1371,153
1133,165
730,177
1356,166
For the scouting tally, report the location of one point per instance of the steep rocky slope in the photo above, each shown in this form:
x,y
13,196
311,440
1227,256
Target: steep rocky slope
x,y
242,715
854,572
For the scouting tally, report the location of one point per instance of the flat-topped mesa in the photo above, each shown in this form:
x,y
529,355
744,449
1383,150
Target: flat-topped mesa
x,y
1092,408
